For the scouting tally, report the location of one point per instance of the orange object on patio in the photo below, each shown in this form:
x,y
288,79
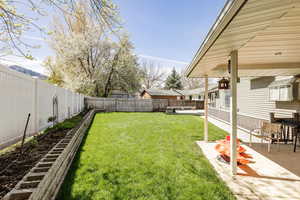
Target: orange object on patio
x,y
223,147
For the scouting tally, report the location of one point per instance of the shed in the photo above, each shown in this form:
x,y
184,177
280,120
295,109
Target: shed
x,y
160,94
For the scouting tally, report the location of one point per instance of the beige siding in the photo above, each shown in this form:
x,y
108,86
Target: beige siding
x,y
253,100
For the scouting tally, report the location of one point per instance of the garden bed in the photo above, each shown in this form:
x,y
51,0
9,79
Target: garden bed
x,y
14,166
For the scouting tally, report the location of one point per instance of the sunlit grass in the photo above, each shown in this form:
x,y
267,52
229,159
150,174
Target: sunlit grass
x,y
144,156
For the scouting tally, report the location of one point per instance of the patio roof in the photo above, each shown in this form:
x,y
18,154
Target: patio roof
x,y
284,82
266,34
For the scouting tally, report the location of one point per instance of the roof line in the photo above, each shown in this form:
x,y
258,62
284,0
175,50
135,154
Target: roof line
x,y
229,4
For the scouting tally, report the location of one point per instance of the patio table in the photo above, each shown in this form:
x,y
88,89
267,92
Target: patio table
x,y
288,125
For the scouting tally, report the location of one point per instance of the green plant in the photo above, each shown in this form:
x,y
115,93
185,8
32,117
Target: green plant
x,y
33,142
51,119
67,124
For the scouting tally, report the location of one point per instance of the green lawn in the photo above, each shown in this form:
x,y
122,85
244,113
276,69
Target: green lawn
x,y
144,156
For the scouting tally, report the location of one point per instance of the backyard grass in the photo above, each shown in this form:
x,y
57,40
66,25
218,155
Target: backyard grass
x,y
144,156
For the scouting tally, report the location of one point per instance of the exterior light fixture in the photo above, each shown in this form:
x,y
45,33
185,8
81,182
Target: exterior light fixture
x,y
229,71
223,84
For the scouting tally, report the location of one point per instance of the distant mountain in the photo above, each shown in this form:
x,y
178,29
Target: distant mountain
x,y
28,72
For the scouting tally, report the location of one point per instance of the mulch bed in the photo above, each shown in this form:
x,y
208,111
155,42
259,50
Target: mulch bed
x,y
13,166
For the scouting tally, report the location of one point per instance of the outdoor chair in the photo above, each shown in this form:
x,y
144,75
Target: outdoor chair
x,y
269,132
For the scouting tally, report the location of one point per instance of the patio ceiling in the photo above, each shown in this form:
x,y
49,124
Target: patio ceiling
x,y
266,34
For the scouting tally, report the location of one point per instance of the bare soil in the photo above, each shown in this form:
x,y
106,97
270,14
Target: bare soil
x,y
14,166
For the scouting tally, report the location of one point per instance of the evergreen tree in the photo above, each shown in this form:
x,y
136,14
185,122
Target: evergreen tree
x,y
173,81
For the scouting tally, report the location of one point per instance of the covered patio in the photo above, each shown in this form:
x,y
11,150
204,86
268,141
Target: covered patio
x,y
262,180
251,38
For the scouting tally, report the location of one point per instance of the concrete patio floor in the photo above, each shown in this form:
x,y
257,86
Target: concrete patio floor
x,y
190,112
242,134
274,175
264,179
283,156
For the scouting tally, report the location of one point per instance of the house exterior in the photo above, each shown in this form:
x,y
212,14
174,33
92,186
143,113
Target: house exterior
x,y
250,39
161,94
193,94
119,94
256,99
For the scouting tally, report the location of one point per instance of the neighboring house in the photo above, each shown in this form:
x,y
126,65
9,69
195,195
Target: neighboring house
x,y
161,94
257,98
198,93
28,72
218,98
193,94
120,94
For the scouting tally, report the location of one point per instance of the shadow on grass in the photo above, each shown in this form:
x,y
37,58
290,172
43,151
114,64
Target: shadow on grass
x,y
65,190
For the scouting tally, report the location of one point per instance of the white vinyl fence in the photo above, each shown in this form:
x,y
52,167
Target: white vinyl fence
x,y
20,95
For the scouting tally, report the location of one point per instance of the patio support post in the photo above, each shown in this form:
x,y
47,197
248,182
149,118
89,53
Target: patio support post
x,y
206,109
233,113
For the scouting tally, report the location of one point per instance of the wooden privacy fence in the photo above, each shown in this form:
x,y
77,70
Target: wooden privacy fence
x,y
138,105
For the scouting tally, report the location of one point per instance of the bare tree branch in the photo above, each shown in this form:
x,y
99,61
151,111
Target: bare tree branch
x,y
152,74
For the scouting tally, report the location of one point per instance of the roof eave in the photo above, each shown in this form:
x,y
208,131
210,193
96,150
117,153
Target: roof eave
x,y
230,10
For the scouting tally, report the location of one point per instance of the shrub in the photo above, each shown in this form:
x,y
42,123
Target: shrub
x,y
51,119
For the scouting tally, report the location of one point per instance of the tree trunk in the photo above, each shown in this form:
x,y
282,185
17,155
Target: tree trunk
x,y
96,90
108,83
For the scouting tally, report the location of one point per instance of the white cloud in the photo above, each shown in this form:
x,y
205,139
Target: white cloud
x,y
166,64
34,65
162,59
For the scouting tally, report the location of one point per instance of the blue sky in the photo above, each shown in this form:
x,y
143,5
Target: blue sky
x,y
164,31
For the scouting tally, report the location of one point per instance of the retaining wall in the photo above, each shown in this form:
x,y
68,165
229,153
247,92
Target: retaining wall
x,y
44,180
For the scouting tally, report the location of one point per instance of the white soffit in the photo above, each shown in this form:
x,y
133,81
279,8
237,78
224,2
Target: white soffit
x,y
265,32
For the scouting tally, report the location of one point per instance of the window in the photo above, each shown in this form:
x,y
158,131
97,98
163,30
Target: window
x,y
274,94
281,93
212,99
227,100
